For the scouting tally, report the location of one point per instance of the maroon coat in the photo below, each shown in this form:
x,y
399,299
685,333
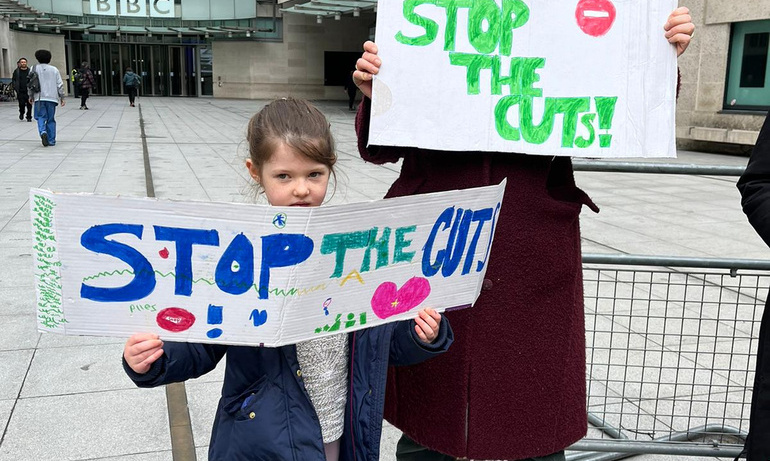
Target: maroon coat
x,y
512,385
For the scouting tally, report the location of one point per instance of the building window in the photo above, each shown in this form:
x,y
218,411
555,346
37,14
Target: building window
x,y
748,75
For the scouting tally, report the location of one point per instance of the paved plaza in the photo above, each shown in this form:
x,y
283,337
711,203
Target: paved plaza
x,y
67,398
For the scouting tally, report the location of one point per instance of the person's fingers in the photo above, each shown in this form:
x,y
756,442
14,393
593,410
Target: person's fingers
x,y
142,364
426,328
135,352
687,28
680,39
434,314
421,334
368,63
677,19
141,356
428,318
370,47
139,337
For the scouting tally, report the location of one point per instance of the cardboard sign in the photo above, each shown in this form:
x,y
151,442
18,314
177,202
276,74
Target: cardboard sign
x,y
250,274
582,78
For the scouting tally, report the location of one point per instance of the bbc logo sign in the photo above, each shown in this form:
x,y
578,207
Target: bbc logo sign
x,y
140,8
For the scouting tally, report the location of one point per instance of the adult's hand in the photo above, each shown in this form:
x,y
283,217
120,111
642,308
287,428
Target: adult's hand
x,y
679,29
367,66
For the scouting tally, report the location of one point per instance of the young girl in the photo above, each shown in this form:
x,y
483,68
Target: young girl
x,y
318,400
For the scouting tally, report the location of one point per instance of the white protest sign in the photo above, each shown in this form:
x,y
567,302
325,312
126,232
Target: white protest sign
x,y
582,78
252,274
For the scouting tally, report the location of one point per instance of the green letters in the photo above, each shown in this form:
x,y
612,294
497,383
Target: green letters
x,y
430,26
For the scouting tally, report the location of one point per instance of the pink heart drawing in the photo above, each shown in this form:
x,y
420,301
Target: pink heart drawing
x,y
388,300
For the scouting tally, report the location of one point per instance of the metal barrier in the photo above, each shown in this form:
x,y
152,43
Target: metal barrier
x,y
670,354
670,345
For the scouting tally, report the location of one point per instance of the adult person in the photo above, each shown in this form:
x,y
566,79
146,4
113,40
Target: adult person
x,y
513,384
131,82
754,186
87,82
75,81
19,80
50,95
351,89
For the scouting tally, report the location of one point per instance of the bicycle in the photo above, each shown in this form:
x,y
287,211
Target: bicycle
x,y
7,92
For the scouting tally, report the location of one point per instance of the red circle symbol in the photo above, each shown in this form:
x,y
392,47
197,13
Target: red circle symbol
x,y
595,17
175,319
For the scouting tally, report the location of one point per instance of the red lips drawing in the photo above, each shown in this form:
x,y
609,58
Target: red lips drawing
x,y
389,300
595,17
175,319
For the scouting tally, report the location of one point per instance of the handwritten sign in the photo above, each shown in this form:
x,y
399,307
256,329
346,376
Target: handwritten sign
x,y
582,78
251,274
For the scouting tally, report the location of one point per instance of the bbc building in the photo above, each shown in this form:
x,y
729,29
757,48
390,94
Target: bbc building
x,y
262,49
208,48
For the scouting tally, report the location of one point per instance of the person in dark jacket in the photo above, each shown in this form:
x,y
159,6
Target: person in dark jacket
x,y
318,400
131,82
754,186
351,89
87,83
516,388
19,81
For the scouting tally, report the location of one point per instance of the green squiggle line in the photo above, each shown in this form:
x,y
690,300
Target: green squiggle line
x,y
106,274
274,291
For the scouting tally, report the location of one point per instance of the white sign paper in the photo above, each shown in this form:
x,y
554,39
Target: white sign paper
x,y
251,274
582,78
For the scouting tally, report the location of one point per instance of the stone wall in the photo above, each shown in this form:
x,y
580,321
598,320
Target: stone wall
x,y
26,43
700,114
295,67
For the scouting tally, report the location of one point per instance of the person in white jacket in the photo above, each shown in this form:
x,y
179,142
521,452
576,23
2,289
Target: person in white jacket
x,y
50,95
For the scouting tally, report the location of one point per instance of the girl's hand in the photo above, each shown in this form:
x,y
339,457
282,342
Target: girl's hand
x,y
367,66
428,323
679,29
142,350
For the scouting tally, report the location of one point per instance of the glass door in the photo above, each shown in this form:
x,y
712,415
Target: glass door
x,y
206,71
160,71
142,69
176,70
190,71
115,75
96,61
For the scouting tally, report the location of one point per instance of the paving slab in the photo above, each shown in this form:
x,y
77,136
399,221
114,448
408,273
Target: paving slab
x,y
87,426
13,368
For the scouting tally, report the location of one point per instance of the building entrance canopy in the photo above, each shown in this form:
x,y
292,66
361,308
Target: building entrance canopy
x,y
335,8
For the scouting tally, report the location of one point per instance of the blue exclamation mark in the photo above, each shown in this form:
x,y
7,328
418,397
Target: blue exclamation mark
x,y
214,318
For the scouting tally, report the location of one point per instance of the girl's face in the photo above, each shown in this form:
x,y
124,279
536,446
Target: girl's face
x,y
291,179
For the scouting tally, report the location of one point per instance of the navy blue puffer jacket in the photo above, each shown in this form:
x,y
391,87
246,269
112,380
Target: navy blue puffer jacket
x,y
280,423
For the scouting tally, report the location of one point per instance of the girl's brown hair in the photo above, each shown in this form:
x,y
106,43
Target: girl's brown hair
x,y
296,123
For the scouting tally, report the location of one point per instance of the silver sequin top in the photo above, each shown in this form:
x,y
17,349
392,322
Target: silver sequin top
x,y
324,364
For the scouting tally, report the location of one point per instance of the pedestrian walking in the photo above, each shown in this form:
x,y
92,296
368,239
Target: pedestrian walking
x,y
19,81
87,82
318,400
351,89
50,94
132,82
75,81
513,385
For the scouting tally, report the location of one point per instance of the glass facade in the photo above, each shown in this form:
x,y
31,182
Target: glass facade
x,y
168,43
748,75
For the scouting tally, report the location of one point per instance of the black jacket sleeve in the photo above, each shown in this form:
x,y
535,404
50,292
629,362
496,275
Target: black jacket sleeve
x,y
406,348
754,185
180,362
